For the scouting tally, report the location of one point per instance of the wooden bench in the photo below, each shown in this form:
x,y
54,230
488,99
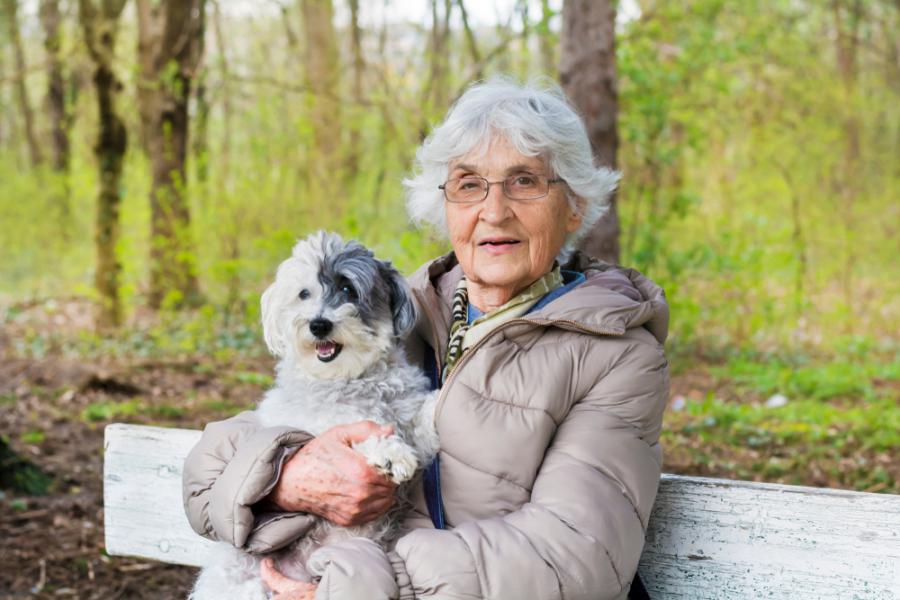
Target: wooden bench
x,y
708,538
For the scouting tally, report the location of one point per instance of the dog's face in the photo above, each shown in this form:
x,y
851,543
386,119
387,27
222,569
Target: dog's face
x,y
334,309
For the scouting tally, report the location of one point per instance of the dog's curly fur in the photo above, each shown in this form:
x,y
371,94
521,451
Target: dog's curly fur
x,y
335,316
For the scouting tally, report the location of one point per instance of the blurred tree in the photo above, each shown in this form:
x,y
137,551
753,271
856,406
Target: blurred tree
x,y
6,124
546,39
4,134
359,66
320,58
587,71
225,88
848,16
200,142
99,25
170,44
435,95
11,12
60,117
471,43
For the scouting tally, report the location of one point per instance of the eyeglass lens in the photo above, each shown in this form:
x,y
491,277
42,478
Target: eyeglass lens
x,y
521,186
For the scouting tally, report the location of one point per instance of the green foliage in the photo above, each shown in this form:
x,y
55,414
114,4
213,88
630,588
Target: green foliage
x,y
871,426
252,377
849,380
840,425
741,194
107,410
32,437
736,196
165,411
20,475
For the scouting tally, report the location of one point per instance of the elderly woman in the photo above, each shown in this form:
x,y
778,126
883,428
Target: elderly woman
x,y
552,384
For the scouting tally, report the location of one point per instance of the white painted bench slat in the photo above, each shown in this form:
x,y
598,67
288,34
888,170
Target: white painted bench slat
x,y
708,538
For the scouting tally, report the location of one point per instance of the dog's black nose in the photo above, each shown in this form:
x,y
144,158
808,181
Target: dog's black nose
x,y
320,327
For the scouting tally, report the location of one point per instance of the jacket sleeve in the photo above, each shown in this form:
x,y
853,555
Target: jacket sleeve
x,y
582,533
232,468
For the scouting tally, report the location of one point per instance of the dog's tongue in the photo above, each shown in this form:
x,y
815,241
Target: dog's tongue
x,y
326,348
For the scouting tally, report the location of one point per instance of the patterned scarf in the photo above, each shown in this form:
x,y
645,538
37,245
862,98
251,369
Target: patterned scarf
x,y
464,335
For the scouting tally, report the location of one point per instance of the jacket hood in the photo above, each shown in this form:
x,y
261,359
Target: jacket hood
x,y
611,300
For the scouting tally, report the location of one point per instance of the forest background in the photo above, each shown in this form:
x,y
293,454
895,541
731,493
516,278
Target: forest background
x,y
158,159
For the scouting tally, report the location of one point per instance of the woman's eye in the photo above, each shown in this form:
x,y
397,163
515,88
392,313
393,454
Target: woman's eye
x,y
524,180
304,294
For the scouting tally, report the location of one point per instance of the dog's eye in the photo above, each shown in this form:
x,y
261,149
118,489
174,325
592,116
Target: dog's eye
x,y
304,294
348,291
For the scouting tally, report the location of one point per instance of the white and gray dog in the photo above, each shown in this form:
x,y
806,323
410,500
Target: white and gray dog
x,y
335,316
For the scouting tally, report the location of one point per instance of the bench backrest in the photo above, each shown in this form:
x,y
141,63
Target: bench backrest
x,y
708,538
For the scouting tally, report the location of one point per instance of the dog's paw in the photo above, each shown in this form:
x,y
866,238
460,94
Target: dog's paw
x,y
391,456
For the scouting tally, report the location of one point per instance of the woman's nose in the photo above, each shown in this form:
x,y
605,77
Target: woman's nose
x,y
496,206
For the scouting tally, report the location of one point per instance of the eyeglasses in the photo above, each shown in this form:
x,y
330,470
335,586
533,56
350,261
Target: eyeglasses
x,y
472,188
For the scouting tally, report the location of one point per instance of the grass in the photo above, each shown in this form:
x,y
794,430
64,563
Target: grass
x,y
837,379
106,411
872,426
251,377
223,406
840,426
97,412
20,475
205,331
32,437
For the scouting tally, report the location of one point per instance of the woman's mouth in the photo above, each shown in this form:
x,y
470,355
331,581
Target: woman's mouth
x,y
327,350
498,245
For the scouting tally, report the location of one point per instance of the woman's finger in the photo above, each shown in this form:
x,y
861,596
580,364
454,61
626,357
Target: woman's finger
x,y
278,583
309,594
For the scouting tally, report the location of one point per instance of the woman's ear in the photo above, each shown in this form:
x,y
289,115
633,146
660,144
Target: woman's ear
x,y
403,310
270,305
576,215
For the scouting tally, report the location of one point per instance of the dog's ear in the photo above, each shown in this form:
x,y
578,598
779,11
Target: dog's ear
x,y
271,308
403,310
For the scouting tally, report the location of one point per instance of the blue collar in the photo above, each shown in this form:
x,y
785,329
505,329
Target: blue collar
x,y
571,279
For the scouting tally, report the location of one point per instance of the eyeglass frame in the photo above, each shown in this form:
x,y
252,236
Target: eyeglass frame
x,y
502,182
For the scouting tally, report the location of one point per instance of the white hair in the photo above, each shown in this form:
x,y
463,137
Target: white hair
x,y
537,120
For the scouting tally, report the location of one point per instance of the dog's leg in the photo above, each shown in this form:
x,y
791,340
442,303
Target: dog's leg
x,y
391,456
421,430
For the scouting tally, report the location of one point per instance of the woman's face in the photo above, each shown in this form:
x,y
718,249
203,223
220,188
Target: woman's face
x,y
505,245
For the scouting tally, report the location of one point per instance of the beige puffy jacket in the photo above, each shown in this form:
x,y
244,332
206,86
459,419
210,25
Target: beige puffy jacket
x,y
550,456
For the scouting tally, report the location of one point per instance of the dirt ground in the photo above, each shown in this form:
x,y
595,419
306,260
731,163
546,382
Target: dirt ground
x,y
52,414
53,544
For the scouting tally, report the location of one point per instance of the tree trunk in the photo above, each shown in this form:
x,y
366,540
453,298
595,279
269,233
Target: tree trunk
x,y
10,8
358,69
6,117
435,94
523,62
545,38
588,75
170,44
470,35
322,72
201,134
100,29
225,76
848,15
56,88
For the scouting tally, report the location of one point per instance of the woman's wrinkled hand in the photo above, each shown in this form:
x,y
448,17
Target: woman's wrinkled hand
x,y
284,587
330,479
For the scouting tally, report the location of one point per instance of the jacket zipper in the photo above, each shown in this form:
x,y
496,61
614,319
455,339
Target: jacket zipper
x,y
462,359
